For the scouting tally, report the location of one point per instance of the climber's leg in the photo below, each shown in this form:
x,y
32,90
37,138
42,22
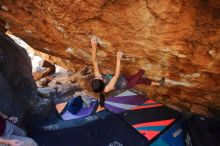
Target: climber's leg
x,y
133,80
137,79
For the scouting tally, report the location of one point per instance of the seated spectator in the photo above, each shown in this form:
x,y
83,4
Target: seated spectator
x,y
11,135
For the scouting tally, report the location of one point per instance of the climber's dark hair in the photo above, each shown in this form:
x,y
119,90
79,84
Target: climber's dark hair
x,y
102,99
98,86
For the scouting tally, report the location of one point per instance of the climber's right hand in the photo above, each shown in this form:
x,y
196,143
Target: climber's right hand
x,y
93,42
119,55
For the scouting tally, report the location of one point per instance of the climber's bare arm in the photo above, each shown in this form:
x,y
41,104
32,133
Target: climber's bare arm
x,y
94,61
111,84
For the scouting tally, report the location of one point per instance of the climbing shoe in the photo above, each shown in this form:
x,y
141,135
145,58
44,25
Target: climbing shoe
x,y
162,80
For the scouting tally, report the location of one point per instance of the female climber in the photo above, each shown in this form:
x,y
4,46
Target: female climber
x,y
104,83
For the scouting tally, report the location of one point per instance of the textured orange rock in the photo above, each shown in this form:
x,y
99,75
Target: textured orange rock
x,y
178,39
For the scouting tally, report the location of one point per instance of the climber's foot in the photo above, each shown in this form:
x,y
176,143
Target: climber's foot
x,y
162,81
100,108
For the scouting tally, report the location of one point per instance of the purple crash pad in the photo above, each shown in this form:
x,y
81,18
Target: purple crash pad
x,y
125,101
82,113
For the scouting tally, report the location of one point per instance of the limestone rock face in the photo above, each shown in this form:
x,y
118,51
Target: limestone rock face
x,y
178,39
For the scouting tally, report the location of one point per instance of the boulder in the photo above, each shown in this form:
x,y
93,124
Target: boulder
x,y
46,92
43,82
198,109
2,26
18,92
39,74
178,39
44,69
